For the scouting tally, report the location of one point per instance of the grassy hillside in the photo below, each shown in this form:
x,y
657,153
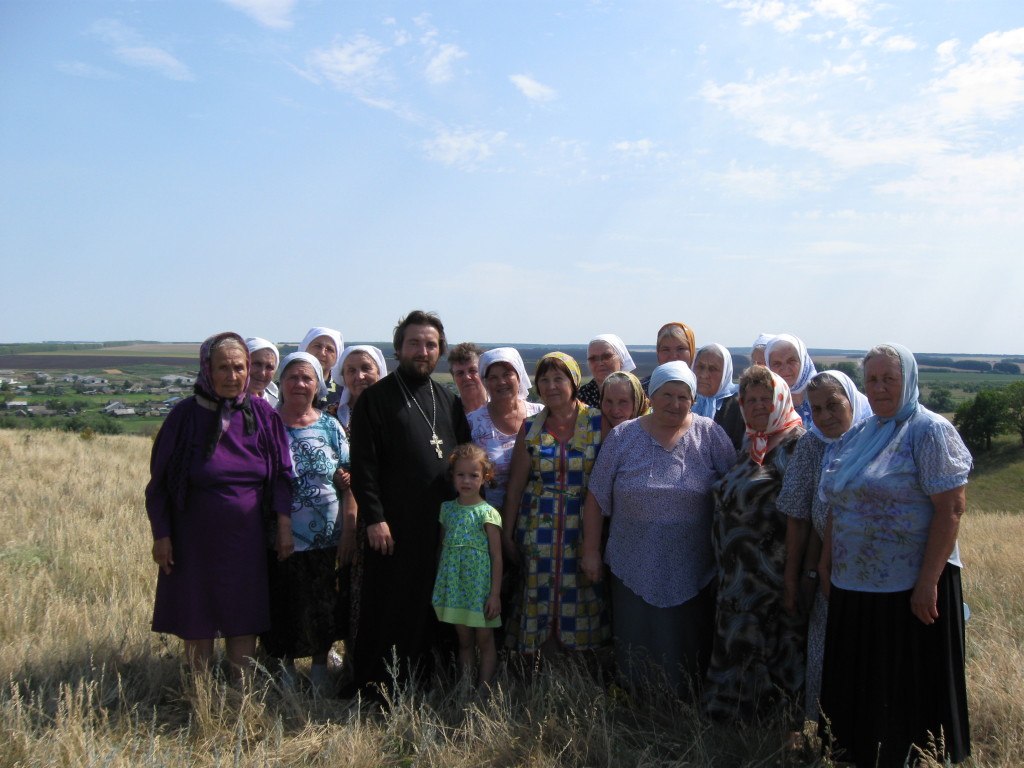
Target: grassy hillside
x,y
85,683
997,482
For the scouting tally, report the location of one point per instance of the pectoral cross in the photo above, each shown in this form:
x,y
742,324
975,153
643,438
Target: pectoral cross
x,y
437,442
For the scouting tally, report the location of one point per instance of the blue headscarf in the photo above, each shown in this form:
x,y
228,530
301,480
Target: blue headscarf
x,y
675,370
807,369
877,433
312,362
709,406
858,402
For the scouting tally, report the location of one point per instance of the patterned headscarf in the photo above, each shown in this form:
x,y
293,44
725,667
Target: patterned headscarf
x,y
570,363
807,369
512,357
225,407
691,339
641,404
782,418
620,349
337,371
709,406
879,432
312,362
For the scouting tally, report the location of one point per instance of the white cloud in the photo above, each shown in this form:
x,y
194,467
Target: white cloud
x,y
766,183
465,149
785,17
989,84
531,89
947,53
270,13
350,65
639,148
131,48
439,68
898,44
81,69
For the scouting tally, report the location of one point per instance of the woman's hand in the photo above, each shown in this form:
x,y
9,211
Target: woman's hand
x,y
593,568
285,542
346,546
342,479
163,554
924,602
509,550
379,535
492,606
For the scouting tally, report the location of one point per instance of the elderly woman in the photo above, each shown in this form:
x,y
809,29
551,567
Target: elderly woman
x,y
757,664
757,349
325,345
836,405
605,353
494,426
676,341
653,479
263,361
787,356
622,398
464,366
893,676
542,518
358,368
717,395
219,460
302,588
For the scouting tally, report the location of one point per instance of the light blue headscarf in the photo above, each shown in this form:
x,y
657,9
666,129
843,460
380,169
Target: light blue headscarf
x,y
807,369
878,433
676,370
858,402
709,406
312,362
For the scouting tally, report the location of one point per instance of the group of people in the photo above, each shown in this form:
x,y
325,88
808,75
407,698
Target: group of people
x,y
783,547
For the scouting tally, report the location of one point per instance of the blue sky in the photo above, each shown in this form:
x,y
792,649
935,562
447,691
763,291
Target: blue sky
x,y
850,171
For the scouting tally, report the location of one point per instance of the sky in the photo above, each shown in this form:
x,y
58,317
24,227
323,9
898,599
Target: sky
x,y
536,171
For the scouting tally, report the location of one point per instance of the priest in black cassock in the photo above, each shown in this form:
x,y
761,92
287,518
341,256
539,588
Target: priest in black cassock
x,y
403,429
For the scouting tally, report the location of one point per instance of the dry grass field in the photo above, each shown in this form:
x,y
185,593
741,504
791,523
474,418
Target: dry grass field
x,y
83,682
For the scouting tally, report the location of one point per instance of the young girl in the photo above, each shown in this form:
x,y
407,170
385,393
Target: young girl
x,y
467,592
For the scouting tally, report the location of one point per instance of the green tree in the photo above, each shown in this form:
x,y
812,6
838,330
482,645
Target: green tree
x,y
1013,396
940,400
1006,367
851,369
981,419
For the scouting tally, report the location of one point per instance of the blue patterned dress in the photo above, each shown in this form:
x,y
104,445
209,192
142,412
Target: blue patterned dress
x,y
557,599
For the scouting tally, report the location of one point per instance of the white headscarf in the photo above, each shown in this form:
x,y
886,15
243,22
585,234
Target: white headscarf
x,y
255,344
674,370
620,349
762,340
336,372
512,357
314,333
709,406
807,369
858,402
312,362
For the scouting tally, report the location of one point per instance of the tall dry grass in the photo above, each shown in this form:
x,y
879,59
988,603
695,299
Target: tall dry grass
x,y
85,683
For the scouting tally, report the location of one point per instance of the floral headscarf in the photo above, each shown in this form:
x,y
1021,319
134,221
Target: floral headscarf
x,y
641,404
783,417
568,361
207,395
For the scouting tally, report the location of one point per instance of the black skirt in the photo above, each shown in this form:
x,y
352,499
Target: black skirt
x,y
890,682
303,604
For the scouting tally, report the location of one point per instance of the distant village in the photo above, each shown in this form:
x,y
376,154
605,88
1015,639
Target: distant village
x,y
171,388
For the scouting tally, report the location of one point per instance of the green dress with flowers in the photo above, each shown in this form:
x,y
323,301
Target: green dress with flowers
x,y
463,581
557,599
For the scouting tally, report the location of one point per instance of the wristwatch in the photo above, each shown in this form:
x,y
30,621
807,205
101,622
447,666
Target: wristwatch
x,y
811,574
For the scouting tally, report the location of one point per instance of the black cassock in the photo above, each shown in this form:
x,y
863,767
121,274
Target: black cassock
x,y
398,478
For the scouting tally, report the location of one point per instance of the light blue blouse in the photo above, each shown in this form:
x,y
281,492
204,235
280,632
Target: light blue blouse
x,y
881,518
317,451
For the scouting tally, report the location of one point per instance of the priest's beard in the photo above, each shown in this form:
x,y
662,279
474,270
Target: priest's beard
x,y
415,369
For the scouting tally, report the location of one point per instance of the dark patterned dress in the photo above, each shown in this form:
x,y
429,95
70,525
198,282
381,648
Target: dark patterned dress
x,y
757,664
590,393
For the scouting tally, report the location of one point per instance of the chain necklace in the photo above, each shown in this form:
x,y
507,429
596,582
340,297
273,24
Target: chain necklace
x,y
410,401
